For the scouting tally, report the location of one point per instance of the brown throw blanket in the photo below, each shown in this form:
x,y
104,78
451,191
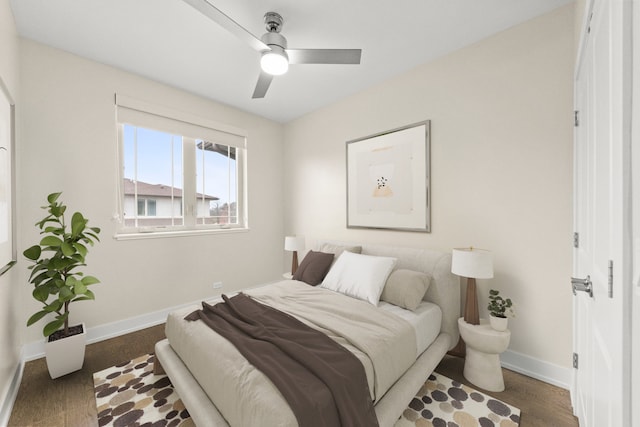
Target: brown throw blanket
x,y
324,384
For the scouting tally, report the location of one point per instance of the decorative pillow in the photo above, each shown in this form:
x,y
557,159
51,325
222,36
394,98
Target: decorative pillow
x,y
313,267
359,276
405,288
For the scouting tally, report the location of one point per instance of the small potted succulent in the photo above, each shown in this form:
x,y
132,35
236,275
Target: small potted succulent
x,y
500,310
58,282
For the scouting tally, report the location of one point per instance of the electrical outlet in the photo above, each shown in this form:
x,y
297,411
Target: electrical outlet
x,y
217,285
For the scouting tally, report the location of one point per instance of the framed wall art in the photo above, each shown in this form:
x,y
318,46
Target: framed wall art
x,y
7,225
388,180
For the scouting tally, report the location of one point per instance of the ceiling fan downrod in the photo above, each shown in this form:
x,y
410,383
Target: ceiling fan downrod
x,y
273,22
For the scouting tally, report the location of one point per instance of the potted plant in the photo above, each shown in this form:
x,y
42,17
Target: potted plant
x,y
58,282
500,310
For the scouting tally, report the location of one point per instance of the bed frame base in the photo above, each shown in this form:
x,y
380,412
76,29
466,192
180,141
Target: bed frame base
x,y
388,410
203,412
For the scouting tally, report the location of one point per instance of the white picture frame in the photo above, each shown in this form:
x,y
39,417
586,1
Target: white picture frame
x,y
388,179
8,254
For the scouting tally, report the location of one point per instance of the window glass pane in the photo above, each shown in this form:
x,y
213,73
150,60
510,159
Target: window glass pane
x,y
216,187
233,188
152,168
151,208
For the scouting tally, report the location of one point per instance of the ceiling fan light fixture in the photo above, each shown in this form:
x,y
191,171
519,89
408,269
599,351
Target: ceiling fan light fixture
x,y
272,45
275,61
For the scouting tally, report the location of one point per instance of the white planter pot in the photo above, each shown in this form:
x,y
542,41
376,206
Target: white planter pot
x,y
499,323
66,355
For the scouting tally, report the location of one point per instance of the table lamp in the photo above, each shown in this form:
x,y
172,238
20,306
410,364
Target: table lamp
x,y
294,244
472,263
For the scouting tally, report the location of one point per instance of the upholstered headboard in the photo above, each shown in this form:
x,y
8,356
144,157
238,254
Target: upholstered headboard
x,y
445,286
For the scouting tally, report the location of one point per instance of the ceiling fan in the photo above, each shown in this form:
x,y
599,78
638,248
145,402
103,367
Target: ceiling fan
x,y
276,57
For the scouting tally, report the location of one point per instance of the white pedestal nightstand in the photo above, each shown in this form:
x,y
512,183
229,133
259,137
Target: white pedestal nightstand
x,y
482,362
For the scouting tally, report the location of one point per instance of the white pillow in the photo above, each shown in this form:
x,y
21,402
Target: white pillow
x,y
359,276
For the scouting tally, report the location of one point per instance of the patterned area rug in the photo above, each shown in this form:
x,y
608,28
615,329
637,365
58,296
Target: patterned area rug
x,y
130,394
442,402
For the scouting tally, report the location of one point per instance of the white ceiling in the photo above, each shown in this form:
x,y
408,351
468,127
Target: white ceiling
x,y
170,42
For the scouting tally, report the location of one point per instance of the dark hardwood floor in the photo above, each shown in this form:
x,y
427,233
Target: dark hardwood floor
x,y
541,404
68,401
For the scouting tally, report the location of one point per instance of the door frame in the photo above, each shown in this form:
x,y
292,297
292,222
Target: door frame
x,y
586,14
635,194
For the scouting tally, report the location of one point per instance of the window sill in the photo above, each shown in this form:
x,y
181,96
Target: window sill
x,y
176,233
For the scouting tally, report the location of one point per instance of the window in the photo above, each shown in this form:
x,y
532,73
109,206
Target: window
x,y
146,207
178,173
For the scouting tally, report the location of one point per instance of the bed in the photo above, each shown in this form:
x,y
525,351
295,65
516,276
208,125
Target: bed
x,y
195,365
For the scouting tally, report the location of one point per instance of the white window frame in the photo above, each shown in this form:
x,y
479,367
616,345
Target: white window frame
x,y
143,114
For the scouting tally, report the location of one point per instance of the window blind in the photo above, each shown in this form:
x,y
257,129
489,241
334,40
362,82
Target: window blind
x,y
140,113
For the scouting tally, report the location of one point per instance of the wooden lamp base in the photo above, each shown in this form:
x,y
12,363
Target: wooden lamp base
x,y
294,262
471,315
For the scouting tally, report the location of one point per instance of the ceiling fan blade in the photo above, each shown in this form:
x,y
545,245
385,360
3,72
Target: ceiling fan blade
x,y
324,56
263,84
217,16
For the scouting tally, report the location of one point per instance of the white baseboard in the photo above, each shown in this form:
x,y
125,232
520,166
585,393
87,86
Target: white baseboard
x,y
35,350
536,368
11,394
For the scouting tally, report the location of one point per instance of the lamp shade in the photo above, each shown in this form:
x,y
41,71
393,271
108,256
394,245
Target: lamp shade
x,y
293,243
472,262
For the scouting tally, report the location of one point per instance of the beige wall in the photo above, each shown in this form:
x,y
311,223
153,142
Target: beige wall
x,y
9,321
501,178
580,10
501,147
68,144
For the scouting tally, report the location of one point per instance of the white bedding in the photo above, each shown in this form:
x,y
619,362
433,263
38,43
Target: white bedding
x,y
426,321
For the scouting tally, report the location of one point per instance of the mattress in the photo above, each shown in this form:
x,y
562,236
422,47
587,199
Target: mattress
x,y
426,321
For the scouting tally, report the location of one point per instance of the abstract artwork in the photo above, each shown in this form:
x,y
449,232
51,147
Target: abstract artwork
x,y
388,180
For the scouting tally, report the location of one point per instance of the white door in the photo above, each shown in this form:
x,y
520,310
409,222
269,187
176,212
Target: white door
x,y
601,216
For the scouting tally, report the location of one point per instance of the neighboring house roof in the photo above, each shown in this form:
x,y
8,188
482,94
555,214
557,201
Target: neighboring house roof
x,y
157,190
218,148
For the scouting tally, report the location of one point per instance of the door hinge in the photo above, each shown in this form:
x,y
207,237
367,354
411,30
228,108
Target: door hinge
x,y
610,279
576,240
575,360
576,118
